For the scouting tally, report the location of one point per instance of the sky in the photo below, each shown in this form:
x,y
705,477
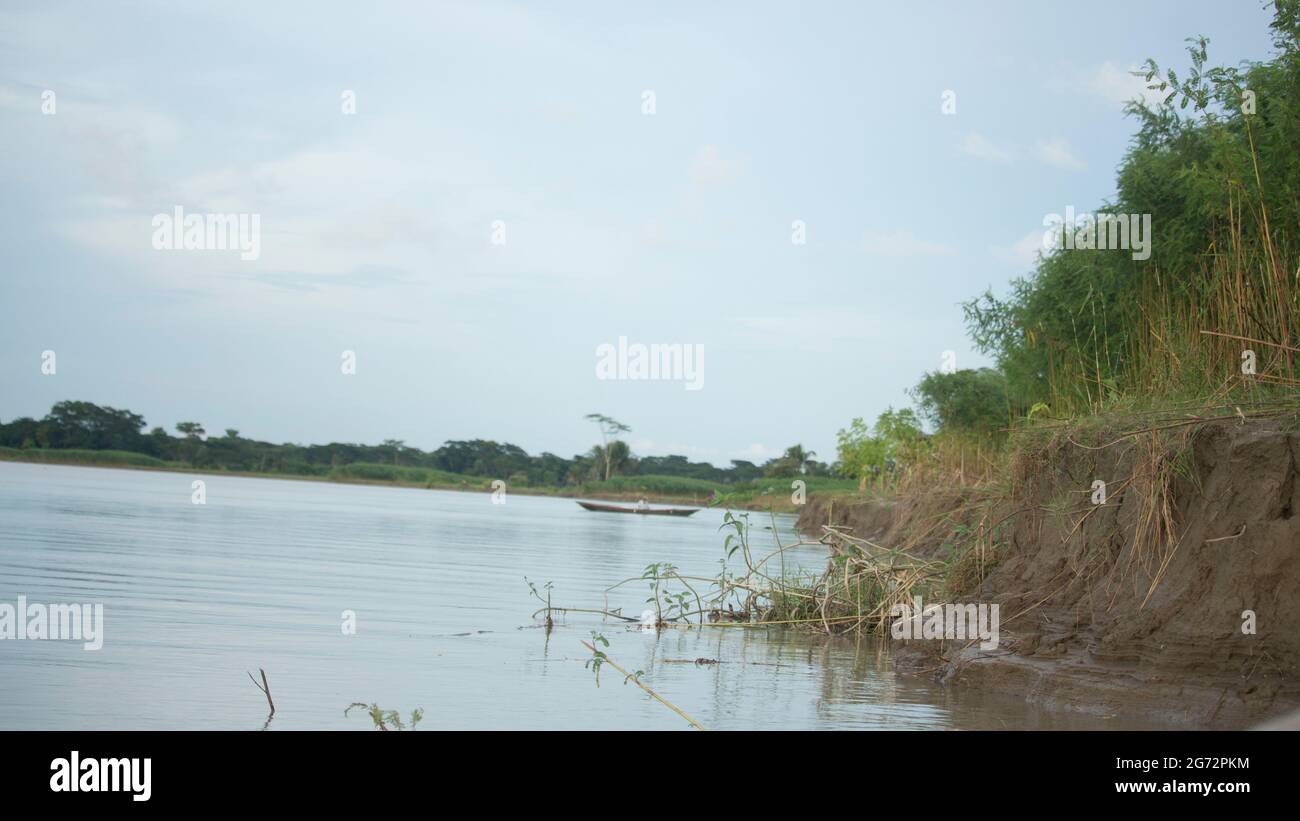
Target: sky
x,y
516,185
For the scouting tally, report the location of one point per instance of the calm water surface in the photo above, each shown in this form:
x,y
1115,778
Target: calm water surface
x,y
195,595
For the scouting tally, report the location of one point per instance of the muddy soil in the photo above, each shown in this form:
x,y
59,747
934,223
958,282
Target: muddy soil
x,y
1179,597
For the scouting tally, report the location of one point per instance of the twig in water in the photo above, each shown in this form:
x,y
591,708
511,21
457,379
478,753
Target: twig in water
x,y
637,681
265,688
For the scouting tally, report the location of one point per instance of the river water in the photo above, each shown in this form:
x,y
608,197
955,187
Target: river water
x,y
259,576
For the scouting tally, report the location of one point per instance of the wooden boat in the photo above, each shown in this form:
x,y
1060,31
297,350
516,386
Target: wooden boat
x,y
649,511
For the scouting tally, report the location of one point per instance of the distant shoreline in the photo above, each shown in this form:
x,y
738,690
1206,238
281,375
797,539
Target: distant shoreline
x,y
477,484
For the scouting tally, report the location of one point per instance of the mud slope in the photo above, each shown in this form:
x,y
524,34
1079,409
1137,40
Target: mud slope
x,y
1135,606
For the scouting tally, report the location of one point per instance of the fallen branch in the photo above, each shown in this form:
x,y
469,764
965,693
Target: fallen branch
x,y
637,681
264,687
1249,339
608,613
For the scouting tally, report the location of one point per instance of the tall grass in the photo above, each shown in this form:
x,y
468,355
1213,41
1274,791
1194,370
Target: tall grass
x,y
399,474
77,456
1093,328
664,485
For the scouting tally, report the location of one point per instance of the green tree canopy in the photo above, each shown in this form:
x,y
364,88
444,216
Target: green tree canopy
x,y
965,400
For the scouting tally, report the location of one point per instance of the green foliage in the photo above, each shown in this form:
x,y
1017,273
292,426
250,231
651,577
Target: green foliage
x,y
1222,186
796,461
384,719
669,605
869,453
967,400
72,431
84,457
548,587
598,656
610,427
859,449
423,477
667,485
81,425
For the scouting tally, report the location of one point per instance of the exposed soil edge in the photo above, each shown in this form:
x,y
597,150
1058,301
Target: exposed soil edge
x,y
1079,630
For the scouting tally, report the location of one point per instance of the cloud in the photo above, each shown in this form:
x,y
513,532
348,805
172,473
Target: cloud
x,y
757,453
902,244
1023,251
351,216
367,276
650,447
976,145
1118,86
1056,152
113,143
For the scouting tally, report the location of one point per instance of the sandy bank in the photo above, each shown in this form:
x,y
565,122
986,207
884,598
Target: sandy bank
x,y
1131,607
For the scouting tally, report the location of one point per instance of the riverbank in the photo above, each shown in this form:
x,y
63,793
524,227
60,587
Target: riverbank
x,y
763,495
1171,590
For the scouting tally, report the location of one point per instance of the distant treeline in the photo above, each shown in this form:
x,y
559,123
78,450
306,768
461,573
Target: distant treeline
x,y
85,426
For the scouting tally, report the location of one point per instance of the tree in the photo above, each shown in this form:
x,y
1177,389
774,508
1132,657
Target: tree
x,y
745,471
191,430
1216,163
901,431
859,451
867,452
159,444
394,446
20,433
72,424
608,427
193,433
618,458
965,400
794,460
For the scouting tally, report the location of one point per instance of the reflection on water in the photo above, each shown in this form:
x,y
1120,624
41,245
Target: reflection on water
x,y
196,595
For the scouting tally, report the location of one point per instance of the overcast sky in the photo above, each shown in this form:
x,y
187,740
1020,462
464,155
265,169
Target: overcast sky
x,y
670,227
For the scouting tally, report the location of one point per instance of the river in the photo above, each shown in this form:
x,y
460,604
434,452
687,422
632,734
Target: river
x,y
259,576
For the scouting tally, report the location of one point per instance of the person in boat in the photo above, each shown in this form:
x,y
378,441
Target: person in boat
x,y
642,505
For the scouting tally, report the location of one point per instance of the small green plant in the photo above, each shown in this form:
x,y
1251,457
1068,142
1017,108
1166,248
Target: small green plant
x,y
597,656
384,718
532,588
670,606
723,583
